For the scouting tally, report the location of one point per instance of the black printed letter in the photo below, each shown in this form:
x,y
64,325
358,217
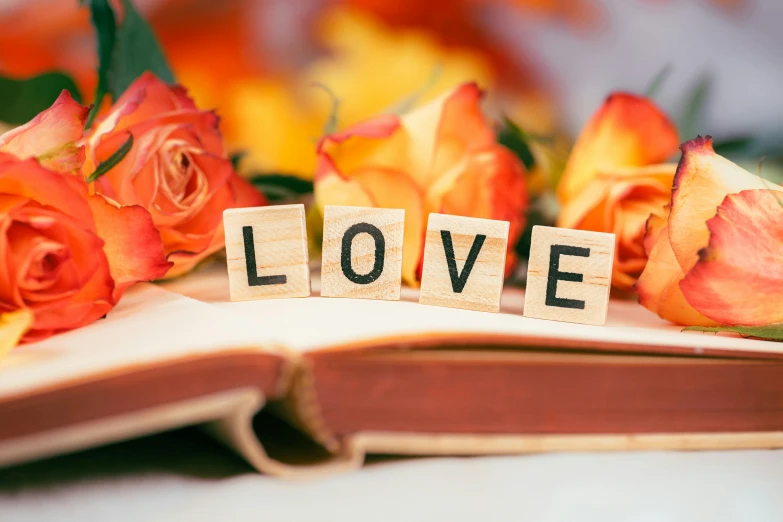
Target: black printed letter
x,y
556,275
250,263
380,253
458,280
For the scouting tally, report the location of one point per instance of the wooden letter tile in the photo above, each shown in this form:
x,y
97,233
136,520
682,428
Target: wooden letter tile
x,y
362,252
266,248
464,262
569,275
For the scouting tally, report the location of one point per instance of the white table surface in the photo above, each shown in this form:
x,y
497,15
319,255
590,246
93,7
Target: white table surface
x,y
184,475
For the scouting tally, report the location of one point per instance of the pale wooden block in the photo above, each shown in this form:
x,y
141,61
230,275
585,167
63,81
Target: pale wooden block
x,y
277,238
467,270
574,285
362,252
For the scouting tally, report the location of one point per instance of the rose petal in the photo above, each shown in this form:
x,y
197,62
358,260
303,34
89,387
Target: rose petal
x,y
158,96
627,131
188,244
245,194
655,225
658,286
703,179
487,184
197,239
131,242
663,173
93,299
13,326
104,127
393,189
28,179
620,201
372,142
462,128
331,185
146,105
381,126
51,136
586,212
738,279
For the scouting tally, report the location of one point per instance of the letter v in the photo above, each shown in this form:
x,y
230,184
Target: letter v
x,y
458,280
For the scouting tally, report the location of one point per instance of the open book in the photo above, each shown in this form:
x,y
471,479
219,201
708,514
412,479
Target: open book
x,y
336,379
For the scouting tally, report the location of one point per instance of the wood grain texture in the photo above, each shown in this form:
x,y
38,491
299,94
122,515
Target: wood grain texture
x,y
569,275
279,238
465,268
377,274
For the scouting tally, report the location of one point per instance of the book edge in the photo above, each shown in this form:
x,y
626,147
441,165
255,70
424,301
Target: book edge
x,y
409,443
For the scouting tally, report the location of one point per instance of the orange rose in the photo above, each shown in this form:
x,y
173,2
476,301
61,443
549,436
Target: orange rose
x,y
614,178
68,255
716,257
176,169
442,157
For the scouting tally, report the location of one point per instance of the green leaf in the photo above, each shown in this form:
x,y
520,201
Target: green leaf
x,y
112,161
658,80
136,50
742,146
516,140
771,332
125,51
543,211
102,17
693,116
278,187
236,158
23,99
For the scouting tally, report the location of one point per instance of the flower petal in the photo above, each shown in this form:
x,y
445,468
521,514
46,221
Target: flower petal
x,y
159,97
131,242
702,180
488,184
393,189
13,326
246,195
627,131
51,136
658,286
29,179
620,201
374,142
332,188
738,279
462,128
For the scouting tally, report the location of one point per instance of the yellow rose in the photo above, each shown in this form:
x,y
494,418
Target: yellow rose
x,y
369,67
442,157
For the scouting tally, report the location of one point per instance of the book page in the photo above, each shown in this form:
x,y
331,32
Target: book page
x,y
316,323
149,325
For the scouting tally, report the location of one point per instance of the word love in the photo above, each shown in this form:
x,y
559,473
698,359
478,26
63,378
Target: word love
x,y
569,271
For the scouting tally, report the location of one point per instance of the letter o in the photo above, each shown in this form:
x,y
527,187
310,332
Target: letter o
x,y
380,253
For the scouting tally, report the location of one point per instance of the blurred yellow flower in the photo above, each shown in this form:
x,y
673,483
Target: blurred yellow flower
x,y
370,69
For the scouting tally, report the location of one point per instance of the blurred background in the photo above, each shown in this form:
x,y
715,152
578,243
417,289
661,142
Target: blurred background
x,y
547,64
